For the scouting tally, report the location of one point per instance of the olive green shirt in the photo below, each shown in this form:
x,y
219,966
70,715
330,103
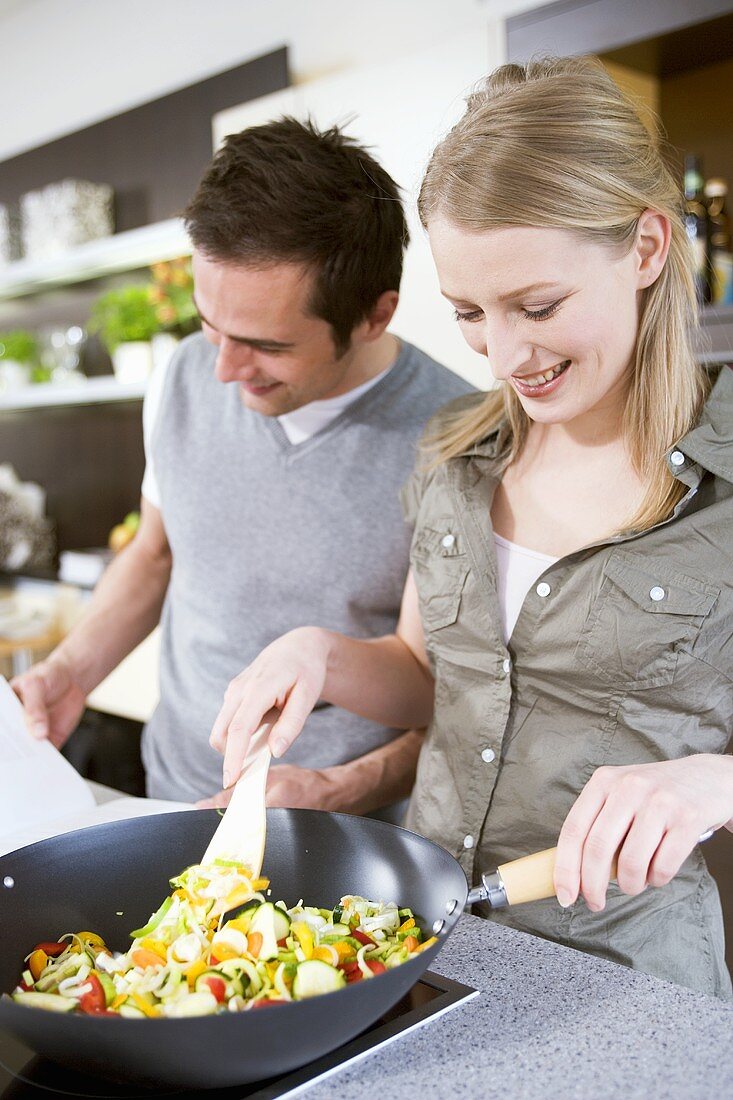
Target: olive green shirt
x,y
622,654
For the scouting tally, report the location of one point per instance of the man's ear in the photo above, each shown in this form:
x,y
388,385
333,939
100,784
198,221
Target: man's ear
x,y
376,321
653,236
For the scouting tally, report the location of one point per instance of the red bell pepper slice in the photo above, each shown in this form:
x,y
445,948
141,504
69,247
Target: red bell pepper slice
x,y
52,949
376,966
94,1001
217,987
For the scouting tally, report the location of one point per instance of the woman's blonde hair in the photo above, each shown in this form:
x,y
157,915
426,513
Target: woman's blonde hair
x,y
556,143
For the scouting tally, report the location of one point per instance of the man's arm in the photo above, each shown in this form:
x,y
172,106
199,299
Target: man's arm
x,y
124,609
379,778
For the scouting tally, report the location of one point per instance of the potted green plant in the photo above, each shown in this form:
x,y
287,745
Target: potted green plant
x,y
126,321
19,360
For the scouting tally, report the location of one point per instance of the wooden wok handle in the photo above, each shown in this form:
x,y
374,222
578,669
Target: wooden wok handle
x,y
530,878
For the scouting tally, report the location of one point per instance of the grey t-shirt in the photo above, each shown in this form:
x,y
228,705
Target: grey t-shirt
x,y
267,536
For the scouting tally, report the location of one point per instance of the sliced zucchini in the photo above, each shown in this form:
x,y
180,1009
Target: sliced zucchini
x,y
240,910
54,1002
264,922
107,985
131,1012
282,923
314,977
195,1004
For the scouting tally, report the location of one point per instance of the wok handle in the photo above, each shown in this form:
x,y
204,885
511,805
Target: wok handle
x,y
527,879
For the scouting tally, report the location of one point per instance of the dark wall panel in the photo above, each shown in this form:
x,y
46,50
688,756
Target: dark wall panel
x,y
88,458
152,155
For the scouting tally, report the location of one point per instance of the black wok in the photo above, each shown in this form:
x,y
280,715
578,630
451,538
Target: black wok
x,y
108,879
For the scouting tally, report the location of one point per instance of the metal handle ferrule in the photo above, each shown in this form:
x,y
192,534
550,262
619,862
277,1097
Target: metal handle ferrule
x,y
491,890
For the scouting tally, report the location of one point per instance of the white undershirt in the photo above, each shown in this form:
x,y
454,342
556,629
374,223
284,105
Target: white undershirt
x,y
298,425
517,570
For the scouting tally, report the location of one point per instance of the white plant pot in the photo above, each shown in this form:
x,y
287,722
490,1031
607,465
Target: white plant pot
x,y
132,362
164,344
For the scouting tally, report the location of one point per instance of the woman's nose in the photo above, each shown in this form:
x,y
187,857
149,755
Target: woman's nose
x,y
506,351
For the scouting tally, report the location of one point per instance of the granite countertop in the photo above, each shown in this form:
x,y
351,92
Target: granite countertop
x,y
551,1022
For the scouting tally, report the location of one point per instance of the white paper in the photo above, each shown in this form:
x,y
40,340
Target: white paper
x,y
41,795
37,784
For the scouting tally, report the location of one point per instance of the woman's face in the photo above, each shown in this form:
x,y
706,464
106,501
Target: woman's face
x,y
556,316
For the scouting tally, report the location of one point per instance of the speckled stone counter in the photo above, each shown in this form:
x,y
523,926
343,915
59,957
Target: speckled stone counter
x,y
550,1022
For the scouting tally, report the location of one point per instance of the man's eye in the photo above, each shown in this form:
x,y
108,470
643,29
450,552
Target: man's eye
x,y
472,315
543,314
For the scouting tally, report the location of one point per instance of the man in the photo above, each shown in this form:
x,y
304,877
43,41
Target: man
x,y
275,453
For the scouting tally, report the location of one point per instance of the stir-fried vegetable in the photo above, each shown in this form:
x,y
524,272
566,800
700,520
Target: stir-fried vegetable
x,y
215,945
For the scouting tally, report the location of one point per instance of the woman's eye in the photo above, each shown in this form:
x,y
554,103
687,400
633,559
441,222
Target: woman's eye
x,y
472,315
543,314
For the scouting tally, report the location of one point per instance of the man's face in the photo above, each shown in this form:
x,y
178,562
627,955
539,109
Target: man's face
x,y
281,356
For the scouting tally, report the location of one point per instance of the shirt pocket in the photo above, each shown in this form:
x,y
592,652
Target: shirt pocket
x,y
440,569
646,612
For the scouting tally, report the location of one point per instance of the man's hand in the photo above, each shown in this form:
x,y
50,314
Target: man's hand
x,y
651,814
379,778
294,787
52,698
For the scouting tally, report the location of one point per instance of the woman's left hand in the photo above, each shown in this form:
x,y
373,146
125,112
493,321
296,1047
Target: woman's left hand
x,y
650,814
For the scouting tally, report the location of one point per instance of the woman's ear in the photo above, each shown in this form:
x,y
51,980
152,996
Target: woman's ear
x,y
653,235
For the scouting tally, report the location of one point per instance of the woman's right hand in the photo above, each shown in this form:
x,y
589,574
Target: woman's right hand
x,y
52,698
289,675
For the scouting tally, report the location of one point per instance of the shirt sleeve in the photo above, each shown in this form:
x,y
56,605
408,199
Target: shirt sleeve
x,y
151,409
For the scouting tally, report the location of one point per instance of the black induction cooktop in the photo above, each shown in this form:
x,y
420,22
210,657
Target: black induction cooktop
x,y
24,1076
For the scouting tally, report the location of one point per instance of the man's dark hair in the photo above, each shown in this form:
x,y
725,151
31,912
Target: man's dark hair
x,y
287,192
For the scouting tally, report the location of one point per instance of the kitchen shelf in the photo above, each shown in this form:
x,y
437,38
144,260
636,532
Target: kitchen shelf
x,y
93,391
121,252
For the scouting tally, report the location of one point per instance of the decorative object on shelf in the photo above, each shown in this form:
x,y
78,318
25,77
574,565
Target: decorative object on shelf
x,y
64,214
126,322
18,360
26,535
84,567
61,350
11,248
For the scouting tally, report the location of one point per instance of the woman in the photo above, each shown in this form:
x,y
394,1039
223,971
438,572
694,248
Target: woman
x,y
566,626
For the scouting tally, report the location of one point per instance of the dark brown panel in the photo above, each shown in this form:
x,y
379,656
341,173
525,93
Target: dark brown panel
x,y
88,458
152,155
697,112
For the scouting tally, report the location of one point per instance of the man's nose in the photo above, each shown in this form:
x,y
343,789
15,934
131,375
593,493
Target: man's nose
x,y
506,349
234,362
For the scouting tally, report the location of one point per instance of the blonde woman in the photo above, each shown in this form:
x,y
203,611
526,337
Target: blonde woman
x,y
567,625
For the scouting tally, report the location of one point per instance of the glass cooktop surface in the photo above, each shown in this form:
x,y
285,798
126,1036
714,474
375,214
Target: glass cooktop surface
x,y
25,1076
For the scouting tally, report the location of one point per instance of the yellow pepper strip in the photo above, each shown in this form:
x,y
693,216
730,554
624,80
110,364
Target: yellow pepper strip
x,y
237,896
37,963
409,923
428,943
344,950
193,972
260,884
324,953
240,923
304,936
119,1000
182,894
223,951
157,946
91,939
149,1010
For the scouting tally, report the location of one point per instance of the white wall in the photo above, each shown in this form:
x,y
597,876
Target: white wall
x,y
69,63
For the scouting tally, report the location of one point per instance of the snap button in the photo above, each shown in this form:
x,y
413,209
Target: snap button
x,y
468,841
488,755
677,458
657,593
543,589
448,541
506,666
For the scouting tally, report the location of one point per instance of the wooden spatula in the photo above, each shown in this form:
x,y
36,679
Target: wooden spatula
x,y
240,834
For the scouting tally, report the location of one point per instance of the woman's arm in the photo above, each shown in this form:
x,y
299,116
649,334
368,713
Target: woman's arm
x,y
651,814
387,680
